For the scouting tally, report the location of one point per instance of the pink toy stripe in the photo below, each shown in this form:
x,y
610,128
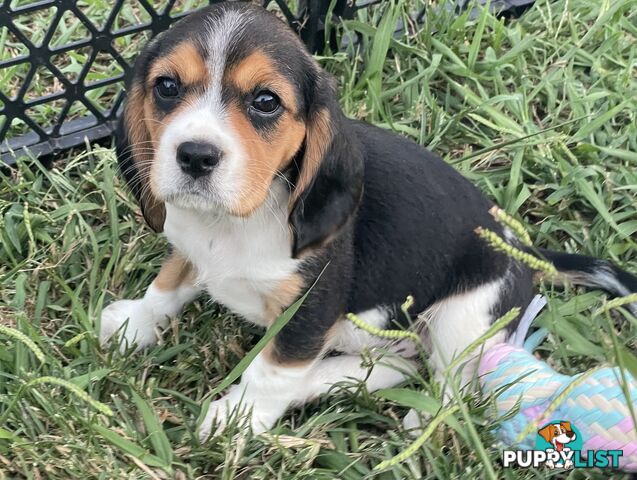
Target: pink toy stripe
x,y
535,412
493,357
626,425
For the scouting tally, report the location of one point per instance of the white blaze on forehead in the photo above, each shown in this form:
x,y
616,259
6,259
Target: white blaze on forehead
x,y
222,32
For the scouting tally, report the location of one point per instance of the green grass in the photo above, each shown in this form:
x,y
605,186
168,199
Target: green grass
x,y
540,112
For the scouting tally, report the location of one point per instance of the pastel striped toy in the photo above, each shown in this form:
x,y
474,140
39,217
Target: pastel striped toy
x,y
594,401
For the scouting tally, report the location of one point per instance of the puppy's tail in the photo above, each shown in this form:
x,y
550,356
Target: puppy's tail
x,y
593,272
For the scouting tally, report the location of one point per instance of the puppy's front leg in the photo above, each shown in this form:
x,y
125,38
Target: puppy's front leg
x,y
173,287
278,375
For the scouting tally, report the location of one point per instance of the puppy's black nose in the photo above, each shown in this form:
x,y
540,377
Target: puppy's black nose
x,y
197,159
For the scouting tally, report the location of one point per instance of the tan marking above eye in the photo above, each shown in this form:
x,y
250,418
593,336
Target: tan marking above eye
x,y
184,62
259,70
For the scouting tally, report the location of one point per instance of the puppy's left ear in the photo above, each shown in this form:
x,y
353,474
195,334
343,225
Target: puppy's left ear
x,y
329,184
567,426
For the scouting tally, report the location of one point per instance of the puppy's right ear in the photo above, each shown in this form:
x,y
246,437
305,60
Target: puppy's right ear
x,y
329,186
135,153
545,433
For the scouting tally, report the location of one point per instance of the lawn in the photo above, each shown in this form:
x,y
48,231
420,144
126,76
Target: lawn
x,y
540,111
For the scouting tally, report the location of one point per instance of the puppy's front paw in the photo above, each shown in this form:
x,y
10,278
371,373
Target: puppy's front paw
x,y
133,320
258,416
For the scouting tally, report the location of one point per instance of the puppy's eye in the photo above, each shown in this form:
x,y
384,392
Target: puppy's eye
x,y
266,102
167,87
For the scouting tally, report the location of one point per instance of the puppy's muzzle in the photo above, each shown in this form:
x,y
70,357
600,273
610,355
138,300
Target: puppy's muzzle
x,y
198,159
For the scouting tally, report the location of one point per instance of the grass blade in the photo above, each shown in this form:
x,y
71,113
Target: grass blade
x,y
158,439
129,447
276,327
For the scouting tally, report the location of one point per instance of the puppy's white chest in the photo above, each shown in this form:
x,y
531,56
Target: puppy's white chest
x,y
239,260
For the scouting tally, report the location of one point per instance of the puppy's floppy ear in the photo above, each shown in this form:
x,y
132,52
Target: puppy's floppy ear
x,y
546,433
135,150
329,182
567,426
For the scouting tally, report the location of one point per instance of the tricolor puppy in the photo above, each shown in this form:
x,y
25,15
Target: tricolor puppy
x,y
236,148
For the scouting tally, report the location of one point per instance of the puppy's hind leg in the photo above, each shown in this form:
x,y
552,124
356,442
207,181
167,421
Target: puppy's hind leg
x,y
454,323
385,372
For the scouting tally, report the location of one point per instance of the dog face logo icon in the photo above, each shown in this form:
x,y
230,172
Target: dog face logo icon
x,y
558,434
560,440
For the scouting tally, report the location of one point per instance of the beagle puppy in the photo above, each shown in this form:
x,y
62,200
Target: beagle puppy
x,y
234,143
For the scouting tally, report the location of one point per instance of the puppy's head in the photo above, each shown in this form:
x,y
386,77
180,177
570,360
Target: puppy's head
x,y
223,103
560,432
